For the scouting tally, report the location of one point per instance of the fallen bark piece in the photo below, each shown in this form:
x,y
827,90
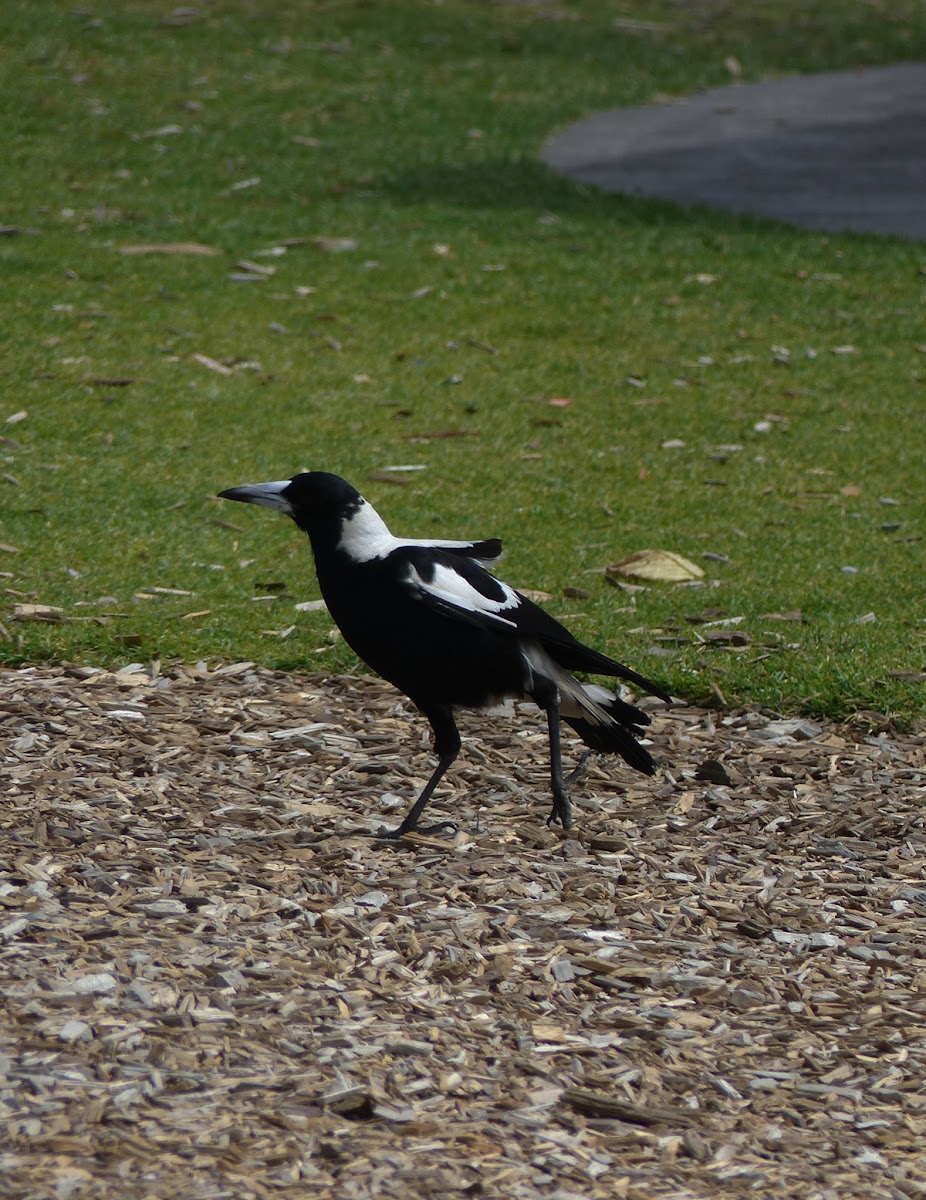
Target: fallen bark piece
x,y
597,1104
38,612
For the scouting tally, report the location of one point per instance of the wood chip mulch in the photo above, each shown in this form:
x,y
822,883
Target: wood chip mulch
x,y
213,986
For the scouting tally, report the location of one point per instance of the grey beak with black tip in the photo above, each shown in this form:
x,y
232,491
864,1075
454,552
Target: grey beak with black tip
x,y
268,494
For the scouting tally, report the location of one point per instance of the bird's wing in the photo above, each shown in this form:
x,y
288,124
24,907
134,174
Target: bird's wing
x,y
488,551
455,584
461,588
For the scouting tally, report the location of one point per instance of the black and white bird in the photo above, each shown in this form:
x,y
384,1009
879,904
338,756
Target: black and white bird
x,y
427,616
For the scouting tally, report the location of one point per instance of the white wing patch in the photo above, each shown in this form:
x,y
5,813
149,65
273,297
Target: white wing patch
x,y
452,588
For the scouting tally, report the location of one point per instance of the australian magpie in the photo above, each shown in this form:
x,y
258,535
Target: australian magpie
x,y
427,616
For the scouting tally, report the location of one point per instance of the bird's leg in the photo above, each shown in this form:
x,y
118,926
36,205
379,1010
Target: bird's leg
x,y
562,809
447,747
580,768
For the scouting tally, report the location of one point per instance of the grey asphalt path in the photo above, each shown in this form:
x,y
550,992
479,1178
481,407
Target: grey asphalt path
x,y
841,151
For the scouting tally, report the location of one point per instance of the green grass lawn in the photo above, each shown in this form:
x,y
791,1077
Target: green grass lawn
x,y
471,287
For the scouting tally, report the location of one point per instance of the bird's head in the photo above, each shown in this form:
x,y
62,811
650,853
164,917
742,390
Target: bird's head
x,y
316,500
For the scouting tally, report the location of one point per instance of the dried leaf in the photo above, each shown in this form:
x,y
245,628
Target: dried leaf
x,y
664,566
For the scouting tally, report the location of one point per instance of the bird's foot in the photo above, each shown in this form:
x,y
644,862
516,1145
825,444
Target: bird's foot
x,y
561,813
394,835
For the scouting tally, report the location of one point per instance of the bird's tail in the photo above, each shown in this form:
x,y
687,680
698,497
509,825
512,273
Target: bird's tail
x,y
607,724
602,719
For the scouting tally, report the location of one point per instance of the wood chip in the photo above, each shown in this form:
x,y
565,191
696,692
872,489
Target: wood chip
x,y
713,983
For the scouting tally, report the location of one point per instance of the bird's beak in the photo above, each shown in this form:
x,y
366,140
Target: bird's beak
x,y
268,494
